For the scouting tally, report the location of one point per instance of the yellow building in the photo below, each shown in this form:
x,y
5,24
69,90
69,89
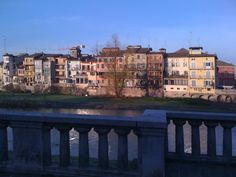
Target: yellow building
x,y
202,71
29,75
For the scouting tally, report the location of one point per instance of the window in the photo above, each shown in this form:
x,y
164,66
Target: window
x,y
102,66
207,83
207,65
193,83
185,64
193,65
138,56
208,74
193,74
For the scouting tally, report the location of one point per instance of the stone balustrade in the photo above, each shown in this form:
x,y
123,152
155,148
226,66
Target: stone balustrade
x,y
183,163
32,144
32,154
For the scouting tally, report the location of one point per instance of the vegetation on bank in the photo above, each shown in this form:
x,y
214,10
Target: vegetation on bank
x,y
31,101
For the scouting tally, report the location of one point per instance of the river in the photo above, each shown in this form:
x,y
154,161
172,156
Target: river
x,y
132,139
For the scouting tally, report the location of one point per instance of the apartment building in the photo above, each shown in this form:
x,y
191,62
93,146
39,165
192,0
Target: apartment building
x,y
87,74
225,74
176,72
45,69
155,69
19,78
202,71
60,69
29,64
73,69
136,61
10,63
110,60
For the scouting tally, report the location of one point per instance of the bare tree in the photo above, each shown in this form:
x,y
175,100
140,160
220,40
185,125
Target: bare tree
x,y
117,73
114,42
96,49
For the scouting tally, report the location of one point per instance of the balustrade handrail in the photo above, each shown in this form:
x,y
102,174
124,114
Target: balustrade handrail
x,y
157,121
204,116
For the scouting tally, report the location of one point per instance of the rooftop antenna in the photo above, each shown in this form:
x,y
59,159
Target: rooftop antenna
x,y
140,41
199,41
4,44
190,39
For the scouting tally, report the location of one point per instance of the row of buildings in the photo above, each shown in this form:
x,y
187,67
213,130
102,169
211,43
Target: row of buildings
x,y
184,71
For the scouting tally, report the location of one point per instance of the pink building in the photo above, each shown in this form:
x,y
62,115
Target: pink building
x,y
225,73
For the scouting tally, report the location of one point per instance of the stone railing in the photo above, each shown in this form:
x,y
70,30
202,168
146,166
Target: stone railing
x,y
32,153
202,130
180,154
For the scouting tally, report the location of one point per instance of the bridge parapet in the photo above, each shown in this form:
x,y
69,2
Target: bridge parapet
x,y
32,144
188,158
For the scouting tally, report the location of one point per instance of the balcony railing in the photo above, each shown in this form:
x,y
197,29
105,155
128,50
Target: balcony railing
x,y
202,68
201,77
177,75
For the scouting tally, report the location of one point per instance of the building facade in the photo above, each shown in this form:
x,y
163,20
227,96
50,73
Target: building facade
x,y
136,61
29,64
202,71
176,72
225,74
155,69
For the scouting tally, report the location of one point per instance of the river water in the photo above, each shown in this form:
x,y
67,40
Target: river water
x,y
132,139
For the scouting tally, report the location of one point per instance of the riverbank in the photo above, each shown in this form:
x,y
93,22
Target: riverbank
x,y
29,101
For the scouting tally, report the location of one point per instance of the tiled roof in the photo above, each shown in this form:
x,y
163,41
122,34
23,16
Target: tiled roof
x,y
7,54
111,52
36,55
223,63
137,49
185,53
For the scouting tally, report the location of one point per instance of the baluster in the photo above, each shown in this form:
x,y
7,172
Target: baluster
x,y
167,138
47,154
83,146
103,160
122,148
227,139
64,145
211,137
179,136
196,150
3,142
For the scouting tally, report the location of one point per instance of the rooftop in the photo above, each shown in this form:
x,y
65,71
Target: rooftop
x,y
223,63
185,53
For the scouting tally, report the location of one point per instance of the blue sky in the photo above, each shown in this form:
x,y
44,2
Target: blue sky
x,y
46,25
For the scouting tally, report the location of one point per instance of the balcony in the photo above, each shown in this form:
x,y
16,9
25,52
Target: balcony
x,y
202,68
177,76
201,77
169,144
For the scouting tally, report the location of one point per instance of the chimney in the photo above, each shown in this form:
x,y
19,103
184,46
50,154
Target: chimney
x,y
163,50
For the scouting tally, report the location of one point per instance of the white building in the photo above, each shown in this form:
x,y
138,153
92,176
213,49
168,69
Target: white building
x,y
176,72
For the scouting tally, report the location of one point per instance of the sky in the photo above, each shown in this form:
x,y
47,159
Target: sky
x,y
50,25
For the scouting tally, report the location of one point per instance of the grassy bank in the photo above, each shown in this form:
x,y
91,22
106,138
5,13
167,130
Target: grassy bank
x,y
29,101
